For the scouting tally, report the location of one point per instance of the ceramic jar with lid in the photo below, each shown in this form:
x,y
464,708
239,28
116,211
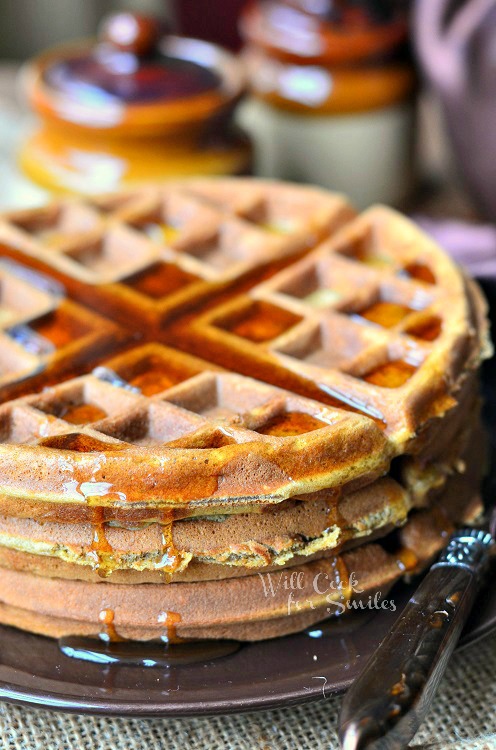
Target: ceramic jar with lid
x,y
137,105
333,89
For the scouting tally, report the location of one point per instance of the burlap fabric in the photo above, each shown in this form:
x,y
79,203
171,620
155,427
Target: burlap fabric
x,y
462,716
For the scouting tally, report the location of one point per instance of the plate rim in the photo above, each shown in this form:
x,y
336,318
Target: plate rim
x,y
54,701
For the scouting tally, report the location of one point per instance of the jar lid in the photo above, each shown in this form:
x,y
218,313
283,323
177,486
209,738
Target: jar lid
x,y
327,32
135,80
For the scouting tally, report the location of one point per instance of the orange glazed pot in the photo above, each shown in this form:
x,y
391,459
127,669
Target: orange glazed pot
x,y
138,105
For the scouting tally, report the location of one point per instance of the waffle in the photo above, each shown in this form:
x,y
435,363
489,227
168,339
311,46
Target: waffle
x,y
376,318
212,379
140,539
148,256
237,608
43,334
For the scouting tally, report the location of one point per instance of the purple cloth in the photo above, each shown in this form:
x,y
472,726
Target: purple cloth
x,y
471,245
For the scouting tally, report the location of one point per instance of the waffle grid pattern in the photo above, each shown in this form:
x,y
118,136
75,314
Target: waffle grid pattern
x,y
154,251
22,302
40,327
354,333
374,318
360,316
206,410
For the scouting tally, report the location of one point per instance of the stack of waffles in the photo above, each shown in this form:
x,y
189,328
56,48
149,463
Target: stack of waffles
x,y
226,408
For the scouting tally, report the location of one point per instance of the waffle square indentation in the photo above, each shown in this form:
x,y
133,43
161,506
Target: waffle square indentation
x,y
152,369
388,366
61,327
365,247
220,397
427,328
290,423
84,401
19,424
111,256
55,224
258,322
20,300
160,280
153,424
327,344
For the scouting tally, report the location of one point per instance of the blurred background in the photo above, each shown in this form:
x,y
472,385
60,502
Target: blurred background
x,y
348,94
29,26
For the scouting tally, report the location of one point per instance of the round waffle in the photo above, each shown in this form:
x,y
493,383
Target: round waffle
x,y
246,608
200,548
214,377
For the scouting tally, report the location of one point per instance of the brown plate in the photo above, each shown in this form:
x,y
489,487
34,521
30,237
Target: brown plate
x,y
268,674
279,672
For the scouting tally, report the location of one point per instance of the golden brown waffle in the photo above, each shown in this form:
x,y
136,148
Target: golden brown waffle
x,y
378,318
138,544
202,379
226,546
242,608
216,442
246,541
145,256
42,332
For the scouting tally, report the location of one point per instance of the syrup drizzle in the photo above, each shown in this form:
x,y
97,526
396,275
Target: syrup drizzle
x,y
169,650
338,583
151,382
160,280
82,414
261,322
333,515
101,551
342,579
167,620
171,557
291,423
385,314
108,633
406,559
59,327
391,374
153,374
340,591
419,272
170,620
427,330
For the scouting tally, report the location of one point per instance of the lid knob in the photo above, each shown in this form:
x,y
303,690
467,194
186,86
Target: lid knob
x,y
131,32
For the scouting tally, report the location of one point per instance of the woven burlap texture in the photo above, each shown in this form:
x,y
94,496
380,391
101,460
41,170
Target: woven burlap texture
x,y
462,716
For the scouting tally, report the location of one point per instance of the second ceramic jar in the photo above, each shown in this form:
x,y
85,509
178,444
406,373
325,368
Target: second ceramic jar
x,y
333,90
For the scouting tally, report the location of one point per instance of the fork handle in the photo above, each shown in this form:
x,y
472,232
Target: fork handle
x,y
389,700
